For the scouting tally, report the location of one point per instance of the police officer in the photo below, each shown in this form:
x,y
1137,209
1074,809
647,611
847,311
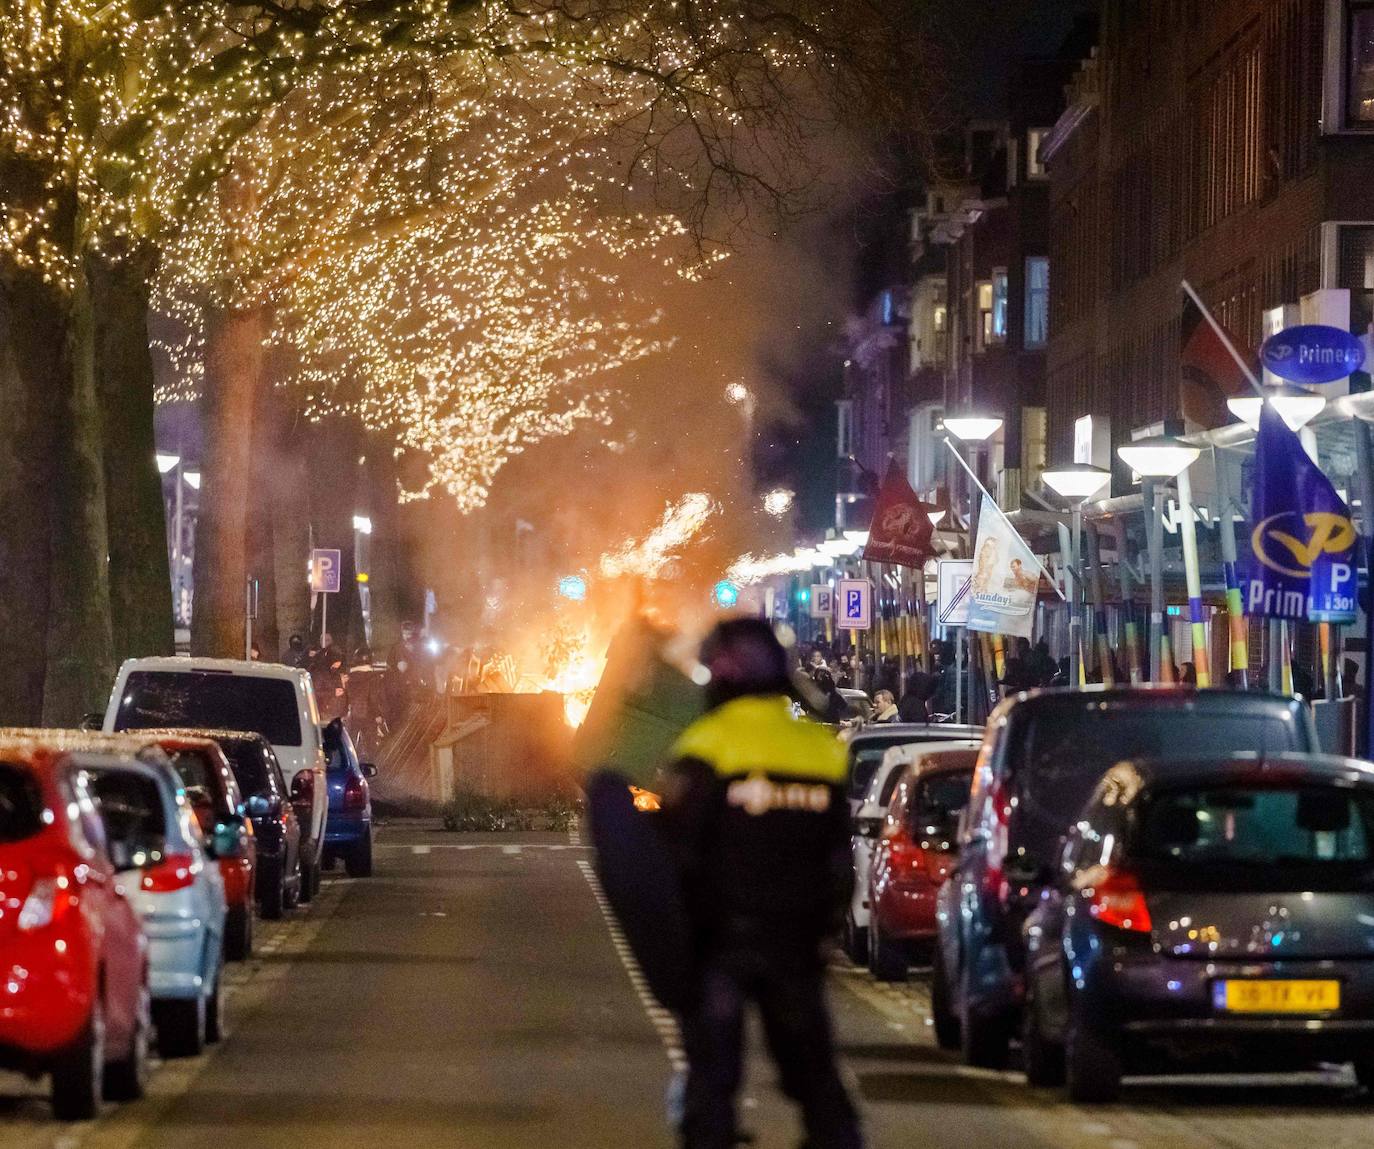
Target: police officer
x,y
754,812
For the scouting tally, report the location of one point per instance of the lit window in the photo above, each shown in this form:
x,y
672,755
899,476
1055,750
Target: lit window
x,y
999,305
1037,301
985,311
1360,65
1035,167
940,318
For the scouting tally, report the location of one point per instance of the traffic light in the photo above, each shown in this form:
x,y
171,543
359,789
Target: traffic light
x,y
803,595
725,594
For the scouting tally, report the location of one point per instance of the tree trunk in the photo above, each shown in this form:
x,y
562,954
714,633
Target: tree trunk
x,y
80,641
332,449
140,574
234,377
31,369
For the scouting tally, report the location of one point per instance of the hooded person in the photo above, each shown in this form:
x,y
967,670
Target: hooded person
x,y
755,816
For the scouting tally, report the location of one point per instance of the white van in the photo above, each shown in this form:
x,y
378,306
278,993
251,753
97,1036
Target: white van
x,y
265,698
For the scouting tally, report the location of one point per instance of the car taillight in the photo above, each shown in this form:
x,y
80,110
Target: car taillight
x,y
47,900
1117,900
994,872
174,872
355,793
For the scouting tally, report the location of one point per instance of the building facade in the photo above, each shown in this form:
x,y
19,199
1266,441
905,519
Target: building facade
x,y
1222,142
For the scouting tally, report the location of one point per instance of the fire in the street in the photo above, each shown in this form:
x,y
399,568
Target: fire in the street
x,y
646,558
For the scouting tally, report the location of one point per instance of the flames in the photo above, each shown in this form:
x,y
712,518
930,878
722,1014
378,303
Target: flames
x,y
572,666
650,557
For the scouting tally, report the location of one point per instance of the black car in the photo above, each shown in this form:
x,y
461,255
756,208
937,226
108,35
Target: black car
x,y
1207,915
275,824
1043,755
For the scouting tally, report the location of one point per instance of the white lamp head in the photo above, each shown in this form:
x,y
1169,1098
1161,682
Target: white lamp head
x,y
1296,406
1077,482
1159,456
970,428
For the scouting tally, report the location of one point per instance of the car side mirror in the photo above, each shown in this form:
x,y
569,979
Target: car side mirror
x,y
225,840
868,827
369,770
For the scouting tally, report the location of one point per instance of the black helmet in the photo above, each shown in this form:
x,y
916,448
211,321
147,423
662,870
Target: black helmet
x,y
744,656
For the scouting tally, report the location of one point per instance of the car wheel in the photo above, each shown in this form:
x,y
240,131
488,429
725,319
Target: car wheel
x,y
272,902
310,882
984,1039
1092,1063
358,863
180,1026
291,891
887,960
1364,1072
213,1017
941,1011
855,940
126,1079
78,1074
238,934
1042,1058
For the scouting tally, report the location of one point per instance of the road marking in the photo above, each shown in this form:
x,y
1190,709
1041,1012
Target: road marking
x,y
416,849
575,833
661,1019
510,849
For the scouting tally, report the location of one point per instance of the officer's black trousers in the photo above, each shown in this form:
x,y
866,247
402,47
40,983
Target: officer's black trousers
x,y
791,999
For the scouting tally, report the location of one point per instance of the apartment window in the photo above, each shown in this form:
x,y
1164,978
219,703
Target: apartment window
x,y
940,319
985,312
999,305
1035,167
1359,77
1037,301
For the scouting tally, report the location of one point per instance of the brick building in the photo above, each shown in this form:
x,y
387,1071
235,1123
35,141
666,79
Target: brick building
x,y
1226,142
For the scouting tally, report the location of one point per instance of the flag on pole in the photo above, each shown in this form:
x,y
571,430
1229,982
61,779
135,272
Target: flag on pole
x,y
1006,577
901,529
1302,548
1211,374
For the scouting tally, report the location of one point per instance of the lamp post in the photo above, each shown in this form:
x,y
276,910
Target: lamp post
x,y
1076,482
1157,459
973,429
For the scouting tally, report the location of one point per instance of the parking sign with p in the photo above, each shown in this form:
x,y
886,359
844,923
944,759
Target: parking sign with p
x,y
854,598
326,569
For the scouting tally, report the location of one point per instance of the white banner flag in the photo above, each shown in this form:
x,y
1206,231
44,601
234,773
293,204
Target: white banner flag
x,y
1006,578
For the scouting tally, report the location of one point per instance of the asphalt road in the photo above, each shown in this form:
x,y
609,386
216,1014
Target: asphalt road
x,y
472,994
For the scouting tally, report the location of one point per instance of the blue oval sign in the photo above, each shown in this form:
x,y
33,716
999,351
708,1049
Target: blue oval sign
x,y
1312,354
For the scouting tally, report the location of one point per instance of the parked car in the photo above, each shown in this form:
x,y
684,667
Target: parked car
x,y
914,854
275,701
868,824
276,829
1043,755
1207,915
74,970
868,745
211,790
218,804
350,803
150,827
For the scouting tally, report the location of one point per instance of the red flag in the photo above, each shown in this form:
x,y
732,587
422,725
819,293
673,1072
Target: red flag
x,y
1210,373
901,529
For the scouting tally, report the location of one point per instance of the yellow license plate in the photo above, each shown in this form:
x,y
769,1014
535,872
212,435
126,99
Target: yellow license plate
x,y
1278,996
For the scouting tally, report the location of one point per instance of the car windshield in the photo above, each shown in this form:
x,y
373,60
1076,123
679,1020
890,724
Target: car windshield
x,y
132,813
248,760
935,805
1063,750
1261,838
864,762
21,804
210,700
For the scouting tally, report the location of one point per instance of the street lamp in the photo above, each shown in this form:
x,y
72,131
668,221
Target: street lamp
x,y
970,428
166,462
1296,406
1076,482
1157,458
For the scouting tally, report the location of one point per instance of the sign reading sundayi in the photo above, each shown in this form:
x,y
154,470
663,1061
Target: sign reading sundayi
x,y
1006,578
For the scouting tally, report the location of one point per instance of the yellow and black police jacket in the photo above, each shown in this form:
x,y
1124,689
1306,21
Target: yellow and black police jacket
x,y
754,810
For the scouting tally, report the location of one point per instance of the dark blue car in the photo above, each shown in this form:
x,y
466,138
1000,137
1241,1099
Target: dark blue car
x,y
348,832
1207,916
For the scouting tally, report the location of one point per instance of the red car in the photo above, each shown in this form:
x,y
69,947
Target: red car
x,y
74,1000
913,857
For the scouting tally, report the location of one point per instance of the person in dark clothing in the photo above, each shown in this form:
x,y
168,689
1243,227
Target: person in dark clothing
x,y
835,709
755,815
295,652
1042,667
915,698
1019,674
945,698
